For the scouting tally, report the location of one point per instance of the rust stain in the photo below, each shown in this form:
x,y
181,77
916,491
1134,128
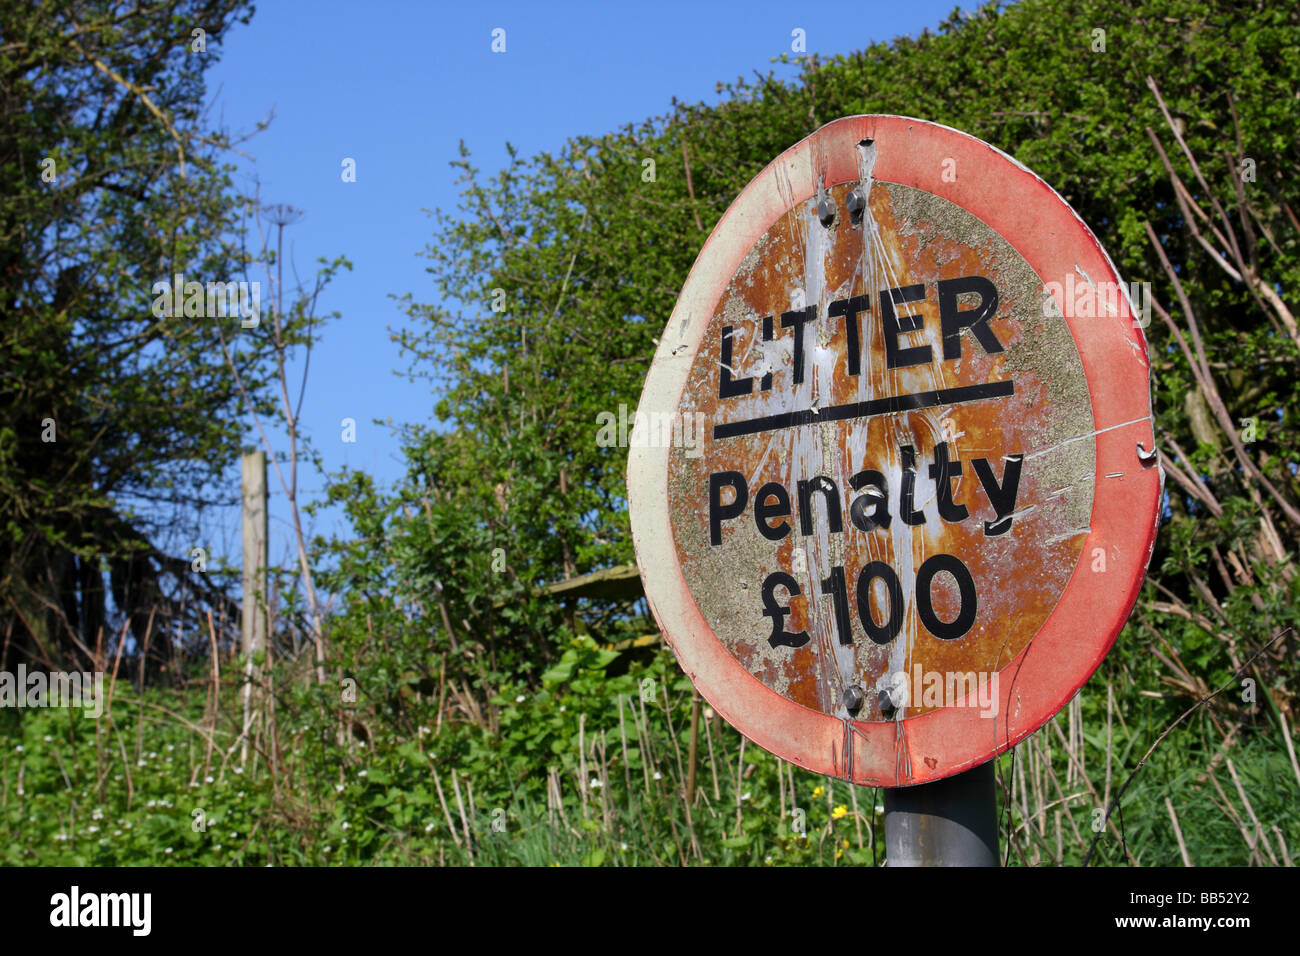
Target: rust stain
x,y
906,238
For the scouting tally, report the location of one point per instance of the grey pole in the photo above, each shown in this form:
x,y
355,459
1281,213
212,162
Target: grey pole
x,y
952,822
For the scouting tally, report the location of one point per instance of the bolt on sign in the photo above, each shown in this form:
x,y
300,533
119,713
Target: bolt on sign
x,y
926,489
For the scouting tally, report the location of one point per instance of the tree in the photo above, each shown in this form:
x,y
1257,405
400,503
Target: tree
x,y
116,412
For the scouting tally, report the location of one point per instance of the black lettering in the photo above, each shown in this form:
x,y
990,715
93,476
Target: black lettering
x,y
878,633
909,516
924,606
943,471
838,590
832,495
849,308
897,324
1001,497
952,319
780,509
870,510
728,387
797,320
718,512
780,637
766,382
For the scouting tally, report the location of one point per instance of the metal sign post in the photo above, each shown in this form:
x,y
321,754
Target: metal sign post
x,y
892,480
951,822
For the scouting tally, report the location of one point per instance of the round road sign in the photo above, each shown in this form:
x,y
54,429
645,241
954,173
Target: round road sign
x,y
892,480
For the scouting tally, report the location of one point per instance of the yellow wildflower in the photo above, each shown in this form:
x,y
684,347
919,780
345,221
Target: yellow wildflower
x,y
818,791
839,811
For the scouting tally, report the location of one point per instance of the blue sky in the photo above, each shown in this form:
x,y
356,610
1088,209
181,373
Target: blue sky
x,y
396,86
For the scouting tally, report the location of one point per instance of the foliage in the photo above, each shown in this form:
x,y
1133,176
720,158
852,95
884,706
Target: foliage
x,y
142,786
116,422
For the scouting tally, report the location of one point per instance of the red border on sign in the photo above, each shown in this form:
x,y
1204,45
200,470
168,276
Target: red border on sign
x,y
1092,609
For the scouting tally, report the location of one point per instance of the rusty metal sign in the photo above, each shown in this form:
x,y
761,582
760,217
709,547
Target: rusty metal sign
x,y
892,478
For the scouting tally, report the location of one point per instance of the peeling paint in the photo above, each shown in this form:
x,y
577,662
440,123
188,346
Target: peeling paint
x,y
905,237
1034,416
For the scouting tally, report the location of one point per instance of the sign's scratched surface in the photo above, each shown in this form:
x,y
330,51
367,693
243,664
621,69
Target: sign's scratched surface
x,y
919,494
